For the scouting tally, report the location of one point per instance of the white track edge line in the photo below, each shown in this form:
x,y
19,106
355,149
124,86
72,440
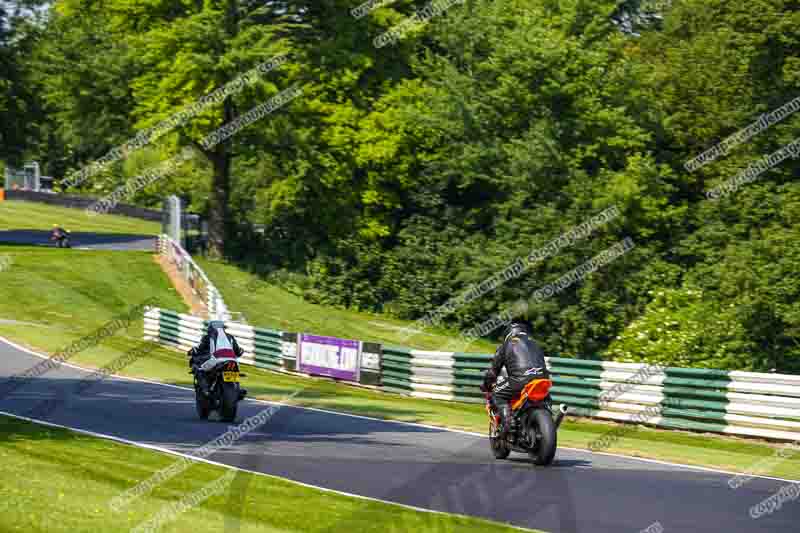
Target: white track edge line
x,y
153,447
414,424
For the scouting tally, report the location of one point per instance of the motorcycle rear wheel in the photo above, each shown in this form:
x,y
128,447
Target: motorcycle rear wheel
x,y
542,432
230,401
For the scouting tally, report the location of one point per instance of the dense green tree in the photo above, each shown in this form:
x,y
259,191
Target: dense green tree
x,y
83,74
21,23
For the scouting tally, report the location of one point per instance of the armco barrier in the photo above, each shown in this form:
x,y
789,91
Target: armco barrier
x,y
82,202
263,348
731,402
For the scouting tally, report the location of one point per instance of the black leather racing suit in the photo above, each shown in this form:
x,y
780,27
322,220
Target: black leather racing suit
x,y
523,360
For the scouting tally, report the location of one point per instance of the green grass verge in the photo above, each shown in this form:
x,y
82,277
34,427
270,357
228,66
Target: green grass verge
x,y
32,215
64,481
52,297
69,289
101,284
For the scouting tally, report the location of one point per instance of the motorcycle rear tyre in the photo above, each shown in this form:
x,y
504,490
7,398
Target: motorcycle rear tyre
x,y
542,431
230,400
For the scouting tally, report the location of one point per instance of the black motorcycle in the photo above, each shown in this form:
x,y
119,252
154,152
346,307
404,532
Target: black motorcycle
x,y
224,393
61,236
533,425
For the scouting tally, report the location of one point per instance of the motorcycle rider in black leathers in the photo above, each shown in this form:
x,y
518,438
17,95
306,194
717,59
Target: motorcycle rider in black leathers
x,y
523,360
202,352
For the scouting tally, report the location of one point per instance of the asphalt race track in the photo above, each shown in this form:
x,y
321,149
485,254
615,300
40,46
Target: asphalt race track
x,y
79,240
412,465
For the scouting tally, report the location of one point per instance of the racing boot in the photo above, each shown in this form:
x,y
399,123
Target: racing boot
x,y
505,421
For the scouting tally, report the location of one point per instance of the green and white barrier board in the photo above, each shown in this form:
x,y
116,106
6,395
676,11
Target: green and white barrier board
x,y
264,348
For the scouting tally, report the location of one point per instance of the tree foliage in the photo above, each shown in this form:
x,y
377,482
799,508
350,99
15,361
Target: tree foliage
x,y
405,174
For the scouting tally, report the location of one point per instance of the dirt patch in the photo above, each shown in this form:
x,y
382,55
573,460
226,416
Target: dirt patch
x,y
198,308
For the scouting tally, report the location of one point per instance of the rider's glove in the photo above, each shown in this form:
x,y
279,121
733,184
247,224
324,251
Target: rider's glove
x,y
488,380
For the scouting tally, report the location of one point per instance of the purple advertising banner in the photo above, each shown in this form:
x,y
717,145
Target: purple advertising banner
x,y
328,356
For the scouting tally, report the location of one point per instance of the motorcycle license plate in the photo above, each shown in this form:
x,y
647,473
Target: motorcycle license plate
x,y
230,376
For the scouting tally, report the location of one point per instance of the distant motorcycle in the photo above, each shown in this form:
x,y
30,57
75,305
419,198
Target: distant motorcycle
x,y
533,425
222,374
61,237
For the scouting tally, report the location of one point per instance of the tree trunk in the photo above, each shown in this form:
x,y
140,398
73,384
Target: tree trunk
x,y
218,210
219,214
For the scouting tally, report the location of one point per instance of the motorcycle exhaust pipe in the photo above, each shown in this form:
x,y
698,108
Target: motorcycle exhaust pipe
x,y
562,410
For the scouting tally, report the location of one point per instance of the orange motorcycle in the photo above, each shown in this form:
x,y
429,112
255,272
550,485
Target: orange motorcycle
x,y
533,425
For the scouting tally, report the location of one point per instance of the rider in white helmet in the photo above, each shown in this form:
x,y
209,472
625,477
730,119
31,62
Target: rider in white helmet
x,y
214,336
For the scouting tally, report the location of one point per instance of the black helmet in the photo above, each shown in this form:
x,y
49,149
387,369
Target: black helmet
x,y
518,326
520,320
